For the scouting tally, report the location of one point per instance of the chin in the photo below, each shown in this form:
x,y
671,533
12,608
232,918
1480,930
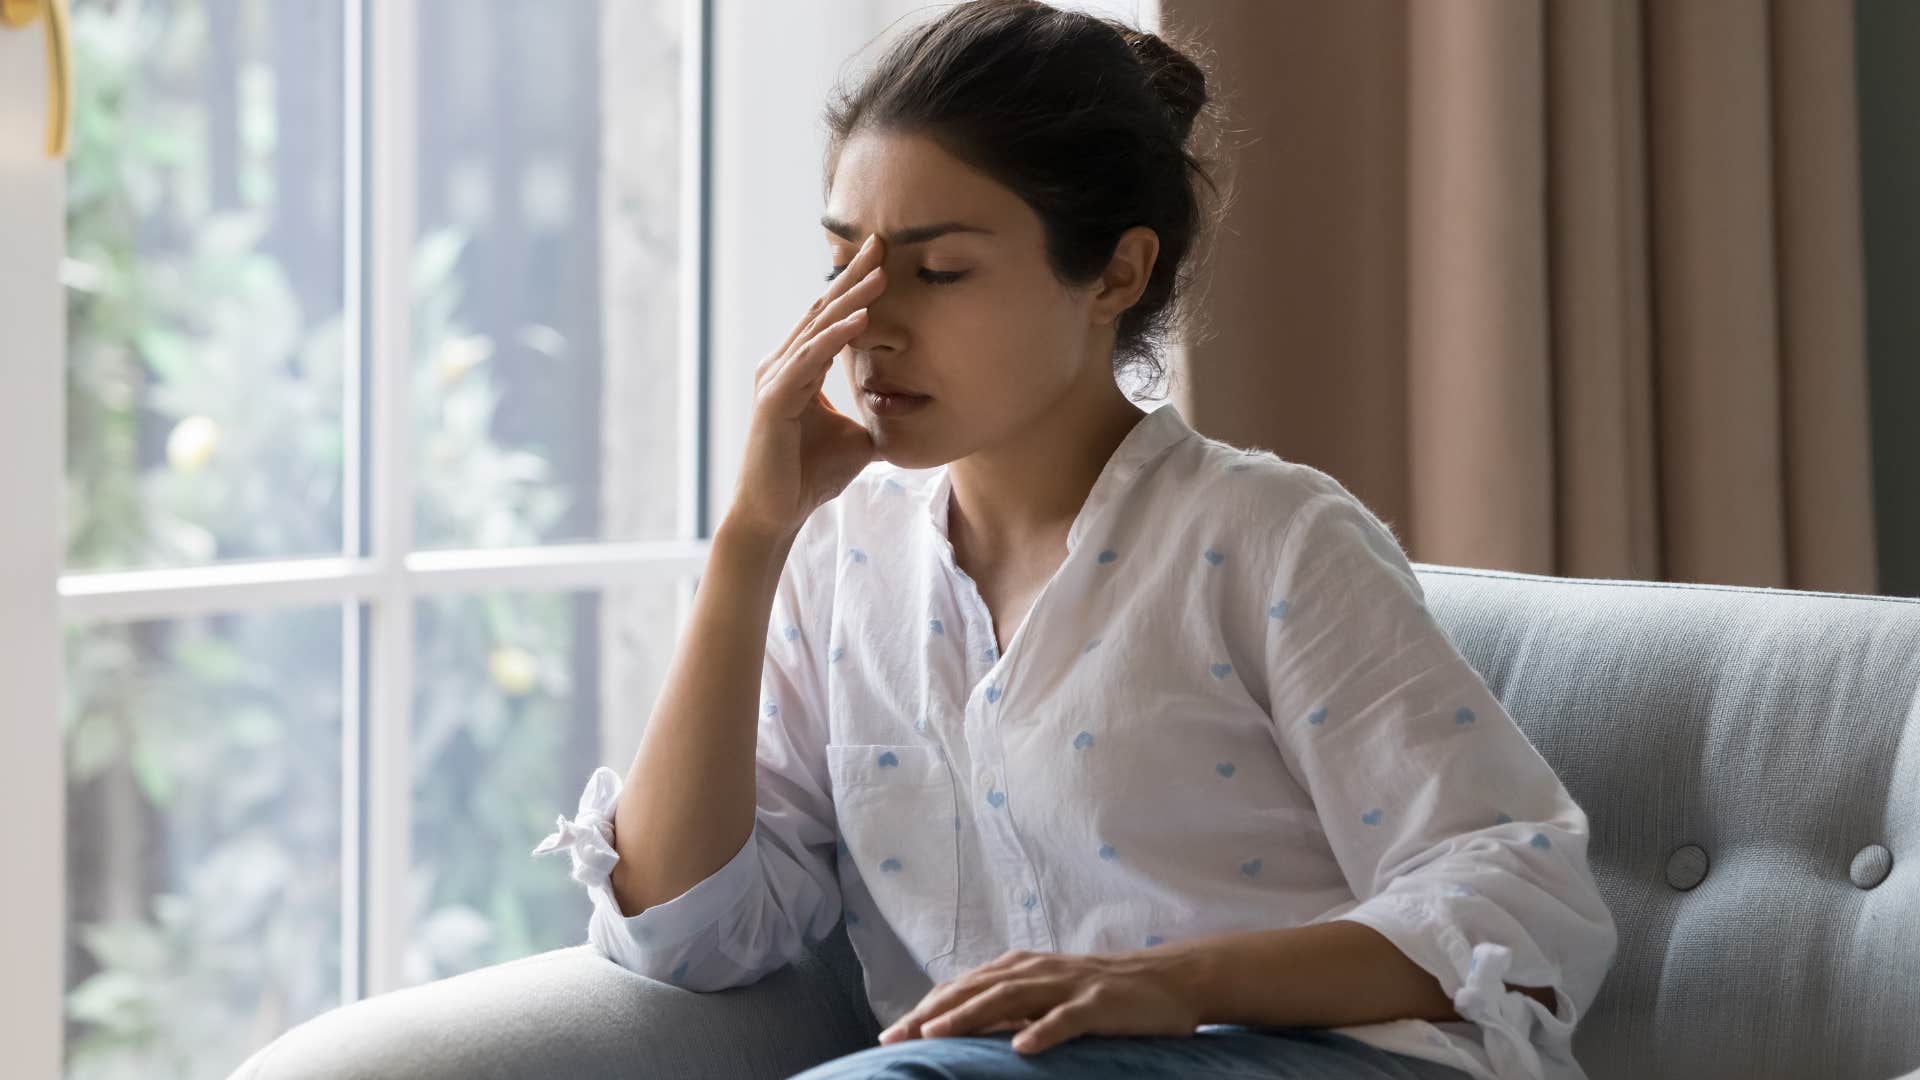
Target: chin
x,y
903,453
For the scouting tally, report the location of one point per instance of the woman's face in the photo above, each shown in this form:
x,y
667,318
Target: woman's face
x,y
971,316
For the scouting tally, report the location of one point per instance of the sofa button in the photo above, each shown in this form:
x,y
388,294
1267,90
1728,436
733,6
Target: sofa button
x,y
1870,867
1687,867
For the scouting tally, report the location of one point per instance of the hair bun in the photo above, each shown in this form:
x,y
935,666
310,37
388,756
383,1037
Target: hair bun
x,y
1181,84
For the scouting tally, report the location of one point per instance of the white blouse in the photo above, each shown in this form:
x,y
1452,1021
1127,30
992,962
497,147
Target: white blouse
x,y
1228,710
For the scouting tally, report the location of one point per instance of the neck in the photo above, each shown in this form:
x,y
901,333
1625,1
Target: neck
x,y
1024,494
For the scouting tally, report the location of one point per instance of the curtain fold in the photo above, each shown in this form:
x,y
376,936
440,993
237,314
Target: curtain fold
x,y
1558,287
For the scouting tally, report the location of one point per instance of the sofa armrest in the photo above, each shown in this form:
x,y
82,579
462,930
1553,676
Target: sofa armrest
x,y
572,1012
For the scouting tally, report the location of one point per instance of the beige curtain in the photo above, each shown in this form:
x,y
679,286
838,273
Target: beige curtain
x,y
1558,286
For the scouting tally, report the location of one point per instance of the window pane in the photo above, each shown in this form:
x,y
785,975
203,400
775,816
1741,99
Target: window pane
x,y
547,295
203,838
521,696
204,282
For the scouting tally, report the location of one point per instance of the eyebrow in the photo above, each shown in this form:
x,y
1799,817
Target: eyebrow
x,y
918,234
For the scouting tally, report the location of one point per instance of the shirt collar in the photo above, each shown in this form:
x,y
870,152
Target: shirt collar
x,y
1153,433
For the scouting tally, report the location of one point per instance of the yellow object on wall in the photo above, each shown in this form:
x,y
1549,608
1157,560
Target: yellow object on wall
x,y
17,14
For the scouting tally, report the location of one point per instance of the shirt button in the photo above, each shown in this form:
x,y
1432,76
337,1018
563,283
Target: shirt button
x,y
986,783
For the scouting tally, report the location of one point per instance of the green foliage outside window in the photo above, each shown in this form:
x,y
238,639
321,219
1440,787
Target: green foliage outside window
x,y
202,404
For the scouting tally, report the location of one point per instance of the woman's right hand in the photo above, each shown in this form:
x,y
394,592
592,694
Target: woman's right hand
x,y
801,451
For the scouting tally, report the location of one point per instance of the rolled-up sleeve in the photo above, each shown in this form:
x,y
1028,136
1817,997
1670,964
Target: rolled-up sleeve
x,y
1459,842
779,892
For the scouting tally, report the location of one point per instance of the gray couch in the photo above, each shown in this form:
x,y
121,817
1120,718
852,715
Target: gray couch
x,y
1750,762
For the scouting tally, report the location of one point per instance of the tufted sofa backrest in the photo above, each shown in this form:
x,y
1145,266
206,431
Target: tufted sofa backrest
x,y
1749,760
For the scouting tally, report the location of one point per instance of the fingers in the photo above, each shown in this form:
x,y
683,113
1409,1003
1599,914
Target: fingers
x,y
812,386
795,382
969,1007
1067,1020
851,300
954,991
865,259
1004,1001
859,295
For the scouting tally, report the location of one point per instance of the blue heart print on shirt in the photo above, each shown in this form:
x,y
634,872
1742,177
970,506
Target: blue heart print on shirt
x,y
1214,557
989,653
1154,939
1540,841
772,709
890,866
1373,816
792,632
1083,740
1107,556
1221,671
996,799
856,555
894,486
934,625
1278,610
1464,716
993,694
1251,868
1091,645
1107,852
1503,819
679,972
1225,769
834,656
888,760
1318,716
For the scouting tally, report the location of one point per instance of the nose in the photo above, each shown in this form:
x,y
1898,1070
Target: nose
x,y
883,329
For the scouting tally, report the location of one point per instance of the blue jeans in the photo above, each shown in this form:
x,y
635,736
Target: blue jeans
x,y
1229,1052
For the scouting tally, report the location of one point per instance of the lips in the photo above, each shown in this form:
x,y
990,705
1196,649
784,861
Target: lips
x,y
878,386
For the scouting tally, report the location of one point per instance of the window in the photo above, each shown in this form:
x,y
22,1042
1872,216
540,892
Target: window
x,y
382,469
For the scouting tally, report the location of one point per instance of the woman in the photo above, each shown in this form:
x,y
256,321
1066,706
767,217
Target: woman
x,y
1120,749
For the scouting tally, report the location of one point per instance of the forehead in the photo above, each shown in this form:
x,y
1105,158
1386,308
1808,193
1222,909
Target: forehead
x,y
886,180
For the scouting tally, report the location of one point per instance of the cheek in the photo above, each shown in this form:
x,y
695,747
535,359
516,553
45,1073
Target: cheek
x,y
1013,315
1033,331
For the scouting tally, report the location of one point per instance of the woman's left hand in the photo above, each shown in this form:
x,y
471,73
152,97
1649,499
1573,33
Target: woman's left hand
x,y
1056,996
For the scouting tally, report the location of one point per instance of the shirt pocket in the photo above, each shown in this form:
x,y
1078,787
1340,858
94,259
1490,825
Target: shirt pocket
x,y
896,809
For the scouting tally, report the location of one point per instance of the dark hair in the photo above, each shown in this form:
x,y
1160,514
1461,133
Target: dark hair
x,y
1085,118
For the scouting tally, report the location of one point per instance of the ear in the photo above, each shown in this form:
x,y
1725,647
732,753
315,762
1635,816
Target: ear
x,y
1126,275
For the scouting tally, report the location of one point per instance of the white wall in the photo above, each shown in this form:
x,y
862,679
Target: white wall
x,y
32,432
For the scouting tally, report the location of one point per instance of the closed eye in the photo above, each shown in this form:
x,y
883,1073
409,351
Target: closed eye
x,y
931,277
